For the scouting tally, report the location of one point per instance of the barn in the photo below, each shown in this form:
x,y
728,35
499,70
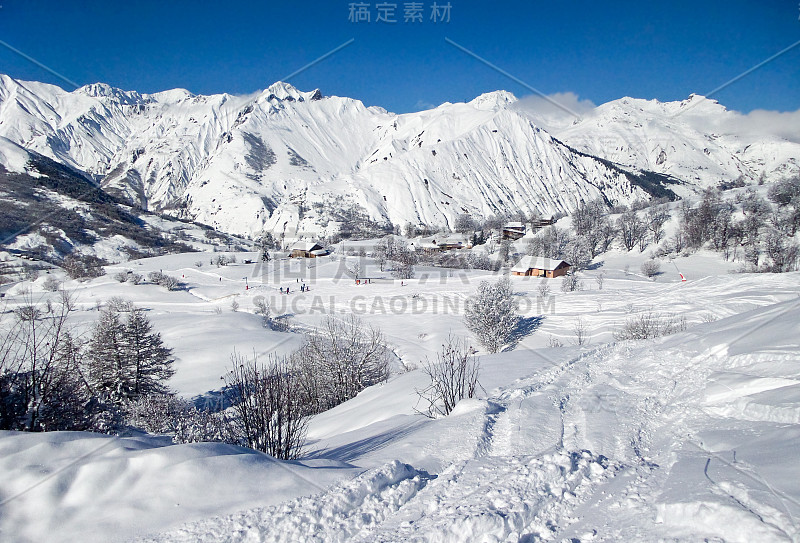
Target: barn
x,y
539,266
307,249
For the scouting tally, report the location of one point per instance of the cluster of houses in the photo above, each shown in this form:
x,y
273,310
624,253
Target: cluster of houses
x,y
528,266
442,242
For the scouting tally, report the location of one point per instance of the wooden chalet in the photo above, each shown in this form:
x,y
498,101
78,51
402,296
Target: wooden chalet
x,y
307,249
538,266
513,231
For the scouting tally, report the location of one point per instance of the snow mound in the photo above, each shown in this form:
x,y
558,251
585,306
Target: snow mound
x,y
74,486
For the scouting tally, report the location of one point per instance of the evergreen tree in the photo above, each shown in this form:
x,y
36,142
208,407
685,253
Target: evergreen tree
x,y
150,361
128,360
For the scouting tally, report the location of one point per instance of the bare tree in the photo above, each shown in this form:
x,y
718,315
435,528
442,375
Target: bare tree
x,y
268,407
41,382
464,223
571,283
656,217
342,358
453,377
631,229
381,253
581,331
354,268
600,279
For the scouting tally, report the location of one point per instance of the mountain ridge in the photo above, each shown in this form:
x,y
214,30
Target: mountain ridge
x,y
283,160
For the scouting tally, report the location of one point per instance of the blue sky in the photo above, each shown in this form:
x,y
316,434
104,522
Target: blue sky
x,y
598,50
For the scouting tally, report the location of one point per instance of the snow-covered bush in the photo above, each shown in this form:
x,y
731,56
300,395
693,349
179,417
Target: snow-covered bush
x,y
491,314
649,325
169,414
164,280
453,377
136,278
651,268
263,309
51,284
121,277
119,304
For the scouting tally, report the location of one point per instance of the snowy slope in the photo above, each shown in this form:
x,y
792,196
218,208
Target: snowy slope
x,y
685,438
281,159
696,140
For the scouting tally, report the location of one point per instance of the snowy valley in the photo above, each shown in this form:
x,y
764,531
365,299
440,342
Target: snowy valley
x,y
158,247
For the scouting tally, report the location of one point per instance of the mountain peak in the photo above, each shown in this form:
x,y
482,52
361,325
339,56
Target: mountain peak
x,y
285,91
103,90
493,100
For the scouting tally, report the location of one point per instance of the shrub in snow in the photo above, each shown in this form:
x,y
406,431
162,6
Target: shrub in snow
x,y
122,276
164,280
571,283
234,305
544,289
268,406
649,325
600,279
263,309
51,284
119,304
136,278
651,268
491,314
581,332
453,377
169,414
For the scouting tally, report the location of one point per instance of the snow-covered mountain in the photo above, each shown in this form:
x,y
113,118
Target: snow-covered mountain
x,y
287,160
696,140
290,162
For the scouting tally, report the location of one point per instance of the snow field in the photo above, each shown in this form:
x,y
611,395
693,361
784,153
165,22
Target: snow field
x,y
687,437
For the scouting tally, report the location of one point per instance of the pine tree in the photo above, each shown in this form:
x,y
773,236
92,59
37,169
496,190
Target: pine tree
x,y
107,366
150,361
128,360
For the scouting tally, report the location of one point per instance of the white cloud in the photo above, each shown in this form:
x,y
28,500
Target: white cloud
x,y
556,111
422,105
760,123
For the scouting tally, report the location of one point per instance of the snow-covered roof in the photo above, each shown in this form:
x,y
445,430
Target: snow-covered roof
x,y
454,239
514,224
319,252
305,246
536,262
